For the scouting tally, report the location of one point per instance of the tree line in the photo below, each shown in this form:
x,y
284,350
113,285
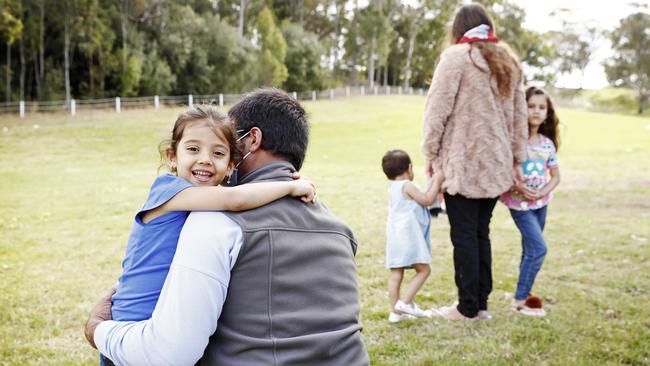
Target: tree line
x,y
92,49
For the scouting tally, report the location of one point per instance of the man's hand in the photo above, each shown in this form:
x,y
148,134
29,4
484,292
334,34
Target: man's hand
x,y
101,312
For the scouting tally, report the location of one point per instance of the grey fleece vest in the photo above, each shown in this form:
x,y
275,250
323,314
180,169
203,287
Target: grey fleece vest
x,y
292,298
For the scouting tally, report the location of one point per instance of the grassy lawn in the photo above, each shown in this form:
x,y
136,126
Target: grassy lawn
x,y
69,188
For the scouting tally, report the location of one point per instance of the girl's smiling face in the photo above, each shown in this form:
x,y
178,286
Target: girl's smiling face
x,y
202,156
537,109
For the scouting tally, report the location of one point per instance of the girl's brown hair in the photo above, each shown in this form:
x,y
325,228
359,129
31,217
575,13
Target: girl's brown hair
x,y
549,127
203,113
500,59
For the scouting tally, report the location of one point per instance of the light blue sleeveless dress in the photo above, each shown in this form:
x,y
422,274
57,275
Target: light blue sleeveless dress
x,y
407,229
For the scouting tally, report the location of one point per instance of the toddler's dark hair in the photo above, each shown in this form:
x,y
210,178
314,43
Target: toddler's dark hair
x,y
395,163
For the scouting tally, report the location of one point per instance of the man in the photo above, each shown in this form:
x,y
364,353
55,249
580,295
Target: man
x,y
270,286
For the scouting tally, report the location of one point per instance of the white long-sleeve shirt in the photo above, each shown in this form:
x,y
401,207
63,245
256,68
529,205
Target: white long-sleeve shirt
x,y
190,302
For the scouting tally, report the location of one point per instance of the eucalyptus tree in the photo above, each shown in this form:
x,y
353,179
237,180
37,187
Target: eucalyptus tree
x,y
376,32
273,50
11,28
431,39
304,52
630,65
530,46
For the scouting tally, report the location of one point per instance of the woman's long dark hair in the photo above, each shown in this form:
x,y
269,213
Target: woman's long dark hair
x,y
499,57
549,127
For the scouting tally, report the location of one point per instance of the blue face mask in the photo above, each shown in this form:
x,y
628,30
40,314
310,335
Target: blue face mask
x,y
232,178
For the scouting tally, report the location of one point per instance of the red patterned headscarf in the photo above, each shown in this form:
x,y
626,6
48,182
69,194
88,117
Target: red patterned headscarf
x,y
481,33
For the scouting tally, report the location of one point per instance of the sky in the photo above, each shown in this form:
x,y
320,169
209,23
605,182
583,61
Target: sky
x,y
604,14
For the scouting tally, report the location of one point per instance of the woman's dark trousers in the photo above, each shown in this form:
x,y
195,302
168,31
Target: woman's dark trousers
x,y
469,219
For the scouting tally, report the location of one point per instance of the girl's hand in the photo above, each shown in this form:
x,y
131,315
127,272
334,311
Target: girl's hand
x,y
304,189
539,195
524,191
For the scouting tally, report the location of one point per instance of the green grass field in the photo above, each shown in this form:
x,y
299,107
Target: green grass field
x,y
69,188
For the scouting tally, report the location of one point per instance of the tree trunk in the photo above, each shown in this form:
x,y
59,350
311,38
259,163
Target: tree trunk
x,y
301,9
337,30
91,79
639,72
21,49
371,61
242,11
409,57
66,58
36,78
8,75
352,80
100,62
641,100
124,35
40,74
386,74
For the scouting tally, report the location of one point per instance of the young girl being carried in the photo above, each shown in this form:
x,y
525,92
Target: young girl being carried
x,y
201,153
407,234
528,200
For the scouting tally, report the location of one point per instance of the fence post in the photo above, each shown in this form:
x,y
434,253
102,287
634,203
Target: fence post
x,y
410,90
331,93
347,91
156,101
21,109
73,107
387,89
220,100
420,91
363,90
295,95
376,90
190,100
118,107
399,90
313,95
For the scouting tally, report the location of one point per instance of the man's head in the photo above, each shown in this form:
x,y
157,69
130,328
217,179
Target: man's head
x,y
277,120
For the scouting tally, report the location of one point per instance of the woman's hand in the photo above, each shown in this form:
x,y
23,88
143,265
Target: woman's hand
x,y
428,168
518,172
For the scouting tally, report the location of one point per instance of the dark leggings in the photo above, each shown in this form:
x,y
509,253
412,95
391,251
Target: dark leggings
x,y
469,219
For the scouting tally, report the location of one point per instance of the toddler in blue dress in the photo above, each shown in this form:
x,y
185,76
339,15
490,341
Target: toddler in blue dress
x,y
407,234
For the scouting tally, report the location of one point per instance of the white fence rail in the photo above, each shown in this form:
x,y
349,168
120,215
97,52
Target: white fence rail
x,y
118,103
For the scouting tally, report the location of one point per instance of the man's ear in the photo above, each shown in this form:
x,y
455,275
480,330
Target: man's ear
x,y
256,139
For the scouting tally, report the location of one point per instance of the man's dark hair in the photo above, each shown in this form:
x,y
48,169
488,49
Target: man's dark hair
x,y
395,163
282,120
